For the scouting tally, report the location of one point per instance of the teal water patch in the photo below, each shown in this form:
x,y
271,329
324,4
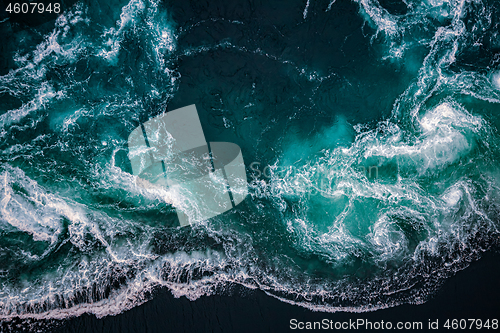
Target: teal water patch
x,y
369,131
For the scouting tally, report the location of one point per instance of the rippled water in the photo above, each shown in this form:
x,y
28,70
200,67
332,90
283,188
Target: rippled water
x,y
369,130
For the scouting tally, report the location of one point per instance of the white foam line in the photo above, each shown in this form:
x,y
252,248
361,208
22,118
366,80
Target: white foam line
x,y
330,5
304,14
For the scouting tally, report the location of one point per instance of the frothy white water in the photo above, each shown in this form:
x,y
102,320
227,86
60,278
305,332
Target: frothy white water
x,y
445,138
495,78
414,212
161,36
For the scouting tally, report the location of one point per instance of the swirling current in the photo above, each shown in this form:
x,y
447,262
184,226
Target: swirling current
x,y
369,130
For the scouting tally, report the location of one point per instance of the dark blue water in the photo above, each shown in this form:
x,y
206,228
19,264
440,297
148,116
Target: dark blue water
x,y
369,131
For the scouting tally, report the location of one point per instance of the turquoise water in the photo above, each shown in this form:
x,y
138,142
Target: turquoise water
x,y
369,131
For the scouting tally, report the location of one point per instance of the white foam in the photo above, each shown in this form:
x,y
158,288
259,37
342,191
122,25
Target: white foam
x,y
384,21
17,209
389,241
44,95
446,117
447,134
495,79
452,196
163,39
306,8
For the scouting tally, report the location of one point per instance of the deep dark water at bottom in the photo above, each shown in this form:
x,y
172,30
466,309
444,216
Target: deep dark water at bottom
x,y
471,294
